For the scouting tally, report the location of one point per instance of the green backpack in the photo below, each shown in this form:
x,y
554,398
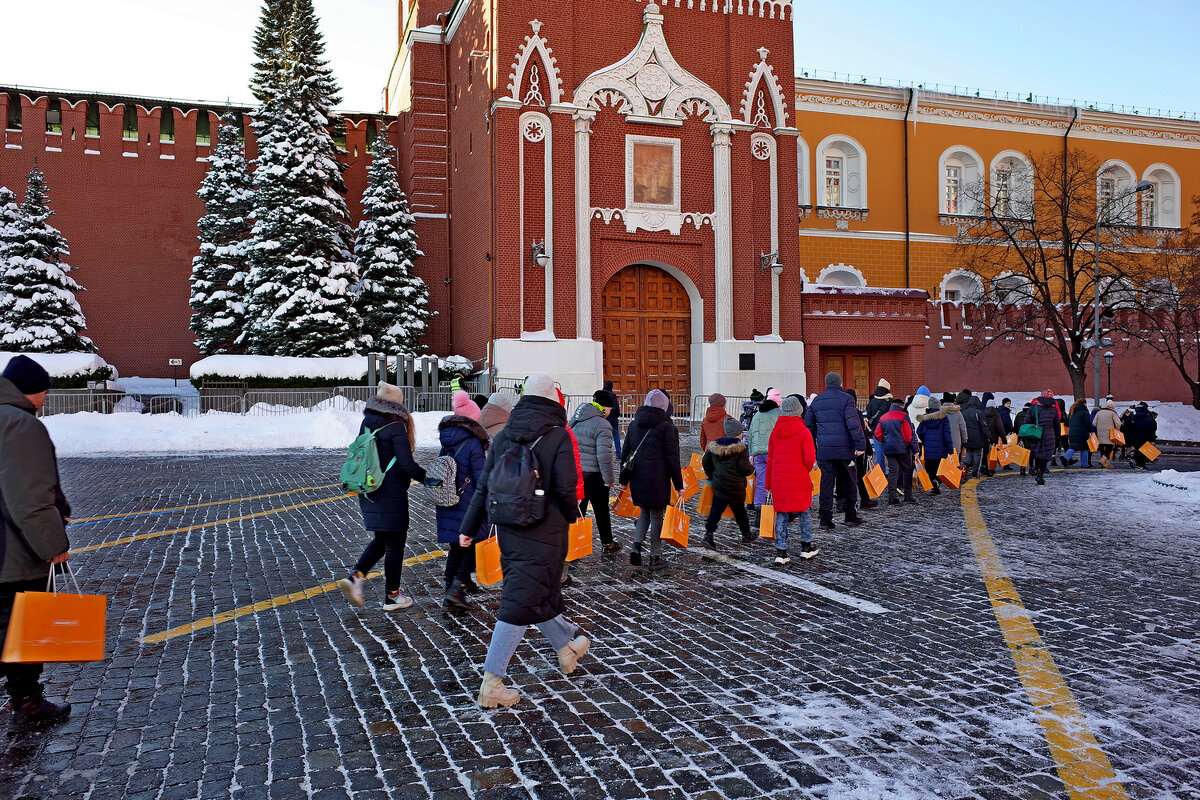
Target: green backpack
x,y
361,473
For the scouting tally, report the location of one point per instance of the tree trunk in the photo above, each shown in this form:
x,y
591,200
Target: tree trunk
x,y
1195,395
1078,381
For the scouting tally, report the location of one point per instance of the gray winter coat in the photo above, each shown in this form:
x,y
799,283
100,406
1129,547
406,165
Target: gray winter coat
x,y
33,510
594,434
958,425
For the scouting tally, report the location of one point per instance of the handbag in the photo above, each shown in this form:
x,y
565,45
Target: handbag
x,y
626,473
1031,430
54,626
487,560
579,539
676,524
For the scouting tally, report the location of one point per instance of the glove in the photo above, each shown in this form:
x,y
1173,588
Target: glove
x,y
432,483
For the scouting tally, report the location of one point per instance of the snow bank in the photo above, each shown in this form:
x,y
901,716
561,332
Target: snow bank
x,y
1176,421
63,365
1189,482
334,429
347,368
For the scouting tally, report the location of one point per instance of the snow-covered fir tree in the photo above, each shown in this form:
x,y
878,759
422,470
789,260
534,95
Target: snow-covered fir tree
x,y
218,309
301,268
392,301
38,309
9,210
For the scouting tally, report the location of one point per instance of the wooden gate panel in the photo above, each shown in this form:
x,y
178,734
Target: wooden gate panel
x,y
647,332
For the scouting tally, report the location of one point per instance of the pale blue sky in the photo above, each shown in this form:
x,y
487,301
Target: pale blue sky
x,y
1141,53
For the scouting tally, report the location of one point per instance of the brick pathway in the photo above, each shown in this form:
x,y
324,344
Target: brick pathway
x,y
708,681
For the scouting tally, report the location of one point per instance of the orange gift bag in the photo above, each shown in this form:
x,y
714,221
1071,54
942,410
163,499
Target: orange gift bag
x,y
815,477
1012,438
54,626
625,506
750,490
1018,455
876,481
766,520
1116,437
697,467
676,523
690,485
921,478
1093,442
993,459
487,560
579,539
949,474
705,503
1150,451
1063,430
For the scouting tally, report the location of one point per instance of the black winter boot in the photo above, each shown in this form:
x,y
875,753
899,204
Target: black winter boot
x,y
35,712
470,587
658,563
456,596
854,520
709,542
826,520
635,555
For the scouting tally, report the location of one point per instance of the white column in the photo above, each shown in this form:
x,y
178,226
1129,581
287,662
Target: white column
x,y
583,223
722,230
548,232
773,165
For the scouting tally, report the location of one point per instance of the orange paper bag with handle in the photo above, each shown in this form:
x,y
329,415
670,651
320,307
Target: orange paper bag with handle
x,y
1093,442
54,626
766,520
750,490
625,506
487,560
705,503
921,477
690,485
579,539
876,481
1018,455
949,474
697,466
1150,451
1116,437
815,477
676,523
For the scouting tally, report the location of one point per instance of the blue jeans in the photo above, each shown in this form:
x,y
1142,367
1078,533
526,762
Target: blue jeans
x,y
506,637
880,456
783,519
1083,456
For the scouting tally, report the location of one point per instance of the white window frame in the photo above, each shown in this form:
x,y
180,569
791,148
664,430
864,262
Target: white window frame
x,y
833,177
970,167
630,141
803,167
1121,175
1018,184
964,283
855,274
1166,198
854,169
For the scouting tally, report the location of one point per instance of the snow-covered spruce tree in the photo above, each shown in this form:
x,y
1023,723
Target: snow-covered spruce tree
x,y
393,303
217,273
9,210
38,309
301,270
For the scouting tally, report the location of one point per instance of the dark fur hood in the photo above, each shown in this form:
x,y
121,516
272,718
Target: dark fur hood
x,y
466,423
388,409
731,449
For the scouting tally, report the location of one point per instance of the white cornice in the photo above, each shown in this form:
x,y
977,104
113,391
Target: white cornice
x,y
881,236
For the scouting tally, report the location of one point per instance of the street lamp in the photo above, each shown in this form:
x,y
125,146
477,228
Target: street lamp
x,y
771,260
1101,215
1108,357
540,256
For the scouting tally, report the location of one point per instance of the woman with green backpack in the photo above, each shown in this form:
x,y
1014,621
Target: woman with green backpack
x,y
385,509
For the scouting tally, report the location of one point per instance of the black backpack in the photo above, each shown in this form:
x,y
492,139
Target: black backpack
x,y
515,496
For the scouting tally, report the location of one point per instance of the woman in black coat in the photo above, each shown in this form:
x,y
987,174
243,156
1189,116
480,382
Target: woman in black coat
x,y
652,446
1045,413
385,510
1079,428
531,557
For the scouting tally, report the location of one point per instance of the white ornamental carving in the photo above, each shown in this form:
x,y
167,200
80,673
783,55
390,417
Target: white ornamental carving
x,y
762,146
648,75
533,130
535,44
764,74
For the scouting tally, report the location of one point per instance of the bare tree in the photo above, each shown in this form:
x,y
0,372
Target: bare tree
x,y
1028,237
1163,313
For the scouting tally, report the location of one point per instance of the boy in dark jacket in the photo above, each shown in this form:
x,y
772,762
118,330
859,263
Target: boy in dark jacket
x,y
895,435
933,429
727,465
977,437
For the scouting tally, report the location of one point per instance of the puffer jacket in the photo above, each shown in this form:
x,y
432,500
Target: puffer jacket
x,y
532,558
761,426
386,508
466,440
836,425
918,406
977,432
934,431
493,418
958,425
1079,428
1047,416
1141,428
1106,422
594,434
727,465
656,462
993,424
895,432
33,509
713,426
790,459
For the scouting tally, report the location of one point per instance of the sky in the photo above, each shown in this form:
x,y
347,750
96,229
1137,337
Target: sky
x,y
1099,51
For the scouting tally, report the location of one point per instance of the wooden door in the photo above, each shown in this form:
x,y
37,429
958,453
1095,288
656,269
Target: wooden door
x,y
855,371
647,333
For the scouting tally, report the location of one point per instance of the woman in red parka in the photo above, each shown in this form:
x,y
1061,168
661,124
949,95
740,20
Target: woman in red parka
x,y
791,455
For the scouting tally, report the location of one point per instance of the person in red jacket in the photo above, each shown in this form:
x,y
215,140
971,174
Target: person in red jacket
x,y
895,435
713,426
791,455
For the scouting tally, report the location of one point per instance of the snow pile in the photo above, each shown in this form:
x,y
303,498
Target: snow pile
x,y
330,428
347,367
1177,422
63,365
1185,484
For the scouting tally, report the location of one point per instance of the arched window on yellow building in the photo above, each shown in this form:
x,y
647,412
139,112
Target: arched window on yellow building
x,y
1160,205
960,173
1012,186
842,172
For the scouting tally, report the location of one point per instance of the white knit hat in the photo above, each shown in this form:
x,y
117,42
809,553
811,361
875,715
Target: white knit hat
x,y
541,385
391,393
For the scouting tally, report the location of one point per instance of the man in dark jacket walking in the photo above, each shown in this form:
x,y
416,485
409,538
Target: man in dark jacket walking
x,y
977,437
895,436
837,429
531,557
33,517
1142,428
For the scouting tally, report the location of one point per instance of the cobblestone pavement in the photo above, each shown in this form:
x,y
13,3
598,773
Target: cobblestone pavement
x,y
876,670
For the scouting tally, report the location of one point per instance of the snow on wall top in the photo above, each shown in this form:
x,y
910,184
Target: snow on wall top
x,y
349,367
63,365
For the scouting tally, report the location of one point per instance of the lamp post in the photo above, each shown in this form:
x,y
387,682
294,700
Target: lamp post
x,y
1101,214
1108,357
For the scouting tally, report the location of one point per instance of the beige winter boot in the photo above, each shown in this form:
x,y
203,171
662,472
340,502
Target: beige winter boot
x,y
568,657
494,693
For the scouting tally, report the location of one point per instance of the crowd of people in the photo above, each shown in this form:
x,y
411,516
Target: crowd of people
x,y
525,472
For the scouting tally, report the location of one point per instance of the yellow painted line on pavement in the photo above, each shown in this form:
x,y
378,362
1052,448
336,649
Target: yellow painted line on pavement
x,y
264,605
143,536
202,505
1082,766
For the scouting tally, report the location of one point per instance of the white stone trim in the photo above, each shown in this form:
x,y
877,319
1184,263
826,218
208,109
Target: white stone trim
x,y
804,172
723,230
545,139
536,43
759,143
761,72
965,274
964,184
583,223
833,269
858,171
1169,202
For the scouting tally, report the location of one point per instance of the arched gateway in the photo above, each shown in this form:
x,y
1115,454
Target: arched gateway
x,y
647,333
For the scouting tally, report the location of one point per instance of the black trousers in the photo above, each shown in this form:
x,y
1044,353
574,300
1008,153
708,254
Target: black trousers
x,y
22,679
460,563
839,473
388,545
718,508
900,473
595,491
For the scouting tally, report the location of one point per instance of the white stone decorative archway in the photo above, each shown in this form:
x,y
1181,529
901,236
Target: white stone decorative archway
x,y
534,96
764,73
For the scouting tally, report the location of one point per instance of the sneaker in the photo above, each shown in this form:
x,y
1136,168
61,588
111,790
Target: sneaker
x,y
494,693
397,602
635,556
612,547
352,587
35,712
808,550
781,558
569,656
